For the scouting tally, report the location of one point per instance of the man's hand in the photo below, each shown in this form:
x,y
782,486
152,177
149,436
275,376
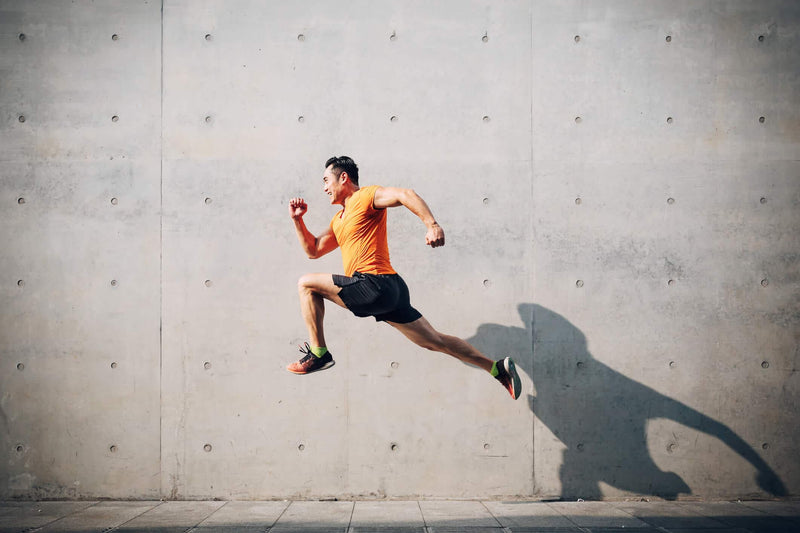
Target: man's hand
x,y
435,236
297,208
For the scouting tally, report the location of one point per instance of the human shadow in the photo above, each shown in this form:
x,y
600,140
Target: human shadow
x,y
599,414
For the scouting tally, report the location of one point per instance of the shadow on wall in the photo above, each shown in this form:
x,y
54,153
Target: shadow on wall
x,y
600,415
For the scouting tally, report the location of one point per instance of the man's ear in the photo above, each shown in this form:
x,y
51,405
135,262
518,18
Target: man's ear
x,y
343,177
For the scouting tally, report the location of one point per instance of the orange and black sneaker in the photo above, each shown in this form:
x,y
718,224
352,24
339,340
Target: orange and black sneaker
x,y
507,375
310,362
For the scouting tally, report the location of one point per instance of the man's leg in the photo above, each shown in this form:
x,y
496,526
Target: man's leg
x,y
314,289
423,334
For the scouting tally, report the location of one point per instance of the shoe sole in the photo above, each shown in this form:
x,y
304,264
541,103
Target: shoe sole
x,y
323,367
511,368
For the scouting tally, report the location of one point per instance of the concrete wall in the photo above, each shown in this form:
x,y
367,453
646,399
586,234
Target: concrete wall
x,y
618,217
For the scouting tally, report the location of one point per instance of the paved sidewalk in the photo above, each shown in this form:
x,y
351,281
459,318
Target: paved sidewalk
x,y
400,517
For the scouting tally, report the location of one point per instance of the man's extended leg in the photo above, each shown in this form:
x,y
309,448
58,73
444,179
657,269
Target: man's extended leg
x,y
314,289
423,334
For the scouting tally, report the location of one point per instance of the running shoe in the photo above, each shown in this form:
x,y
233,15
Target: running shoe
x,y
310,362
508,377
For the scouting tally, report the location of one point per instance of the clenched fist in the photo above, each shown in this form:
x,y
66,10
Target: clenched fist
x,y
435,236
297,208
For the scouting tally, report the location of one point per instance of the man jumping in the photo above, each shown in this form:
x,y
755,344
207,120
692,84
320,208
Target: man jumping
x,y
370,286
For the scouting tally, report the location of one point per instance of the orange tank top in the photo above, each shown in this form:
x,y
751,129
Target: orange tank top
x,y
360,230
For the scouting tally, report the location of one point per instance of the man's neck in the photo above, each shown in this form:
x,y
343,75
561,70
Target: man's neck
x,y
347,199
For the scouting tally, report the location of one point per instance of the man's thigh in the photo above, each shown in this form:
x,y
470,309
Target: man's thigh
x,y
323,285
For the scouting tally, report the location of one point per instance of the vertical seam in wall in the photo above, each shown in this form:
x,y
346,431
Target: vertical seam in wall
x,y
161,274
532,262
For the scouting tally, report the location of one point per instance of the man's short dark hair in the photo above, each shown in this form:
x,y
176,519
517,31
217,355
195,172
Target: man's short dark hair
x,y
344,164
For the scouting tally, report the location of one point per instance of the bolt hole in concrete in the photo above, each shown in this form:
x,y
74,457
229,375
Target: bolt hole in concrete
x,y
20,367
394,447
115,118
578,201
581,364
115,37
208,201
113,449
114,283
301,119
207,448
580,446
22,37
671,282
669,120
761,38
20,200
301,447
763,200
21,283
487,118
21,118
670,201
486,446
209,37
393,36
487,283
395,365
208,119
301,37
673,364
393,118
114,201
208,283
20,448
577,38
579,283
671,447
578,120
485,37
765,446
113,365
764,282
762,119
669,38
207,365
764,364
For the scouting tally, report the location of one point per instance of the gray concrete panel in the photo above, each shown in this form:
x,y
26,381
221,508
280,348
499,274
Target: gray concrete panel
x,y
80,296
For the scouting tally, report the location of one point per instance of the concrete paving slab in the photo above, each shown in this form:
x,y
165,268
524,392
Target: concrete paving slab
x,y
736,515
465,529
387,514
441,514
311,515
246,514
789,510
173,515
668,514
99,517
22,515
596,514
709,530
529,514
229,529
377,529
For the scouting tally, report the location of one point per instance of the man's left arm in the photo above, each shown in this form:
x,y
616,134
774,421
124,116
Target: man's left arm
x,y
394,196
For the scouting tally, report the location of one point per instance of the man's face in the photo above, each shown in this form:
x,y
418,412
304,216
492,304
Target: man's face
x,y
333,185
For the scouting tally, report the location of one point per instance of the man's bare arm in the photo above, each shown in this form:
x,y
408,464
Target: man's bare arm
x,y
394,196
313,246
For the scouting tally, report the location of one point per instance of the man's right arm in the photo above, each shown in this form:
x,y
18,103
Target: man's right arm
x,y
313,246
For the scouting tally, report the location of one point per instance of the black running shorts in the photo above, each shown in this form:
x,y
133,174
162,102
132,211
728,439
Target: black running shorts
x,y
383,296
